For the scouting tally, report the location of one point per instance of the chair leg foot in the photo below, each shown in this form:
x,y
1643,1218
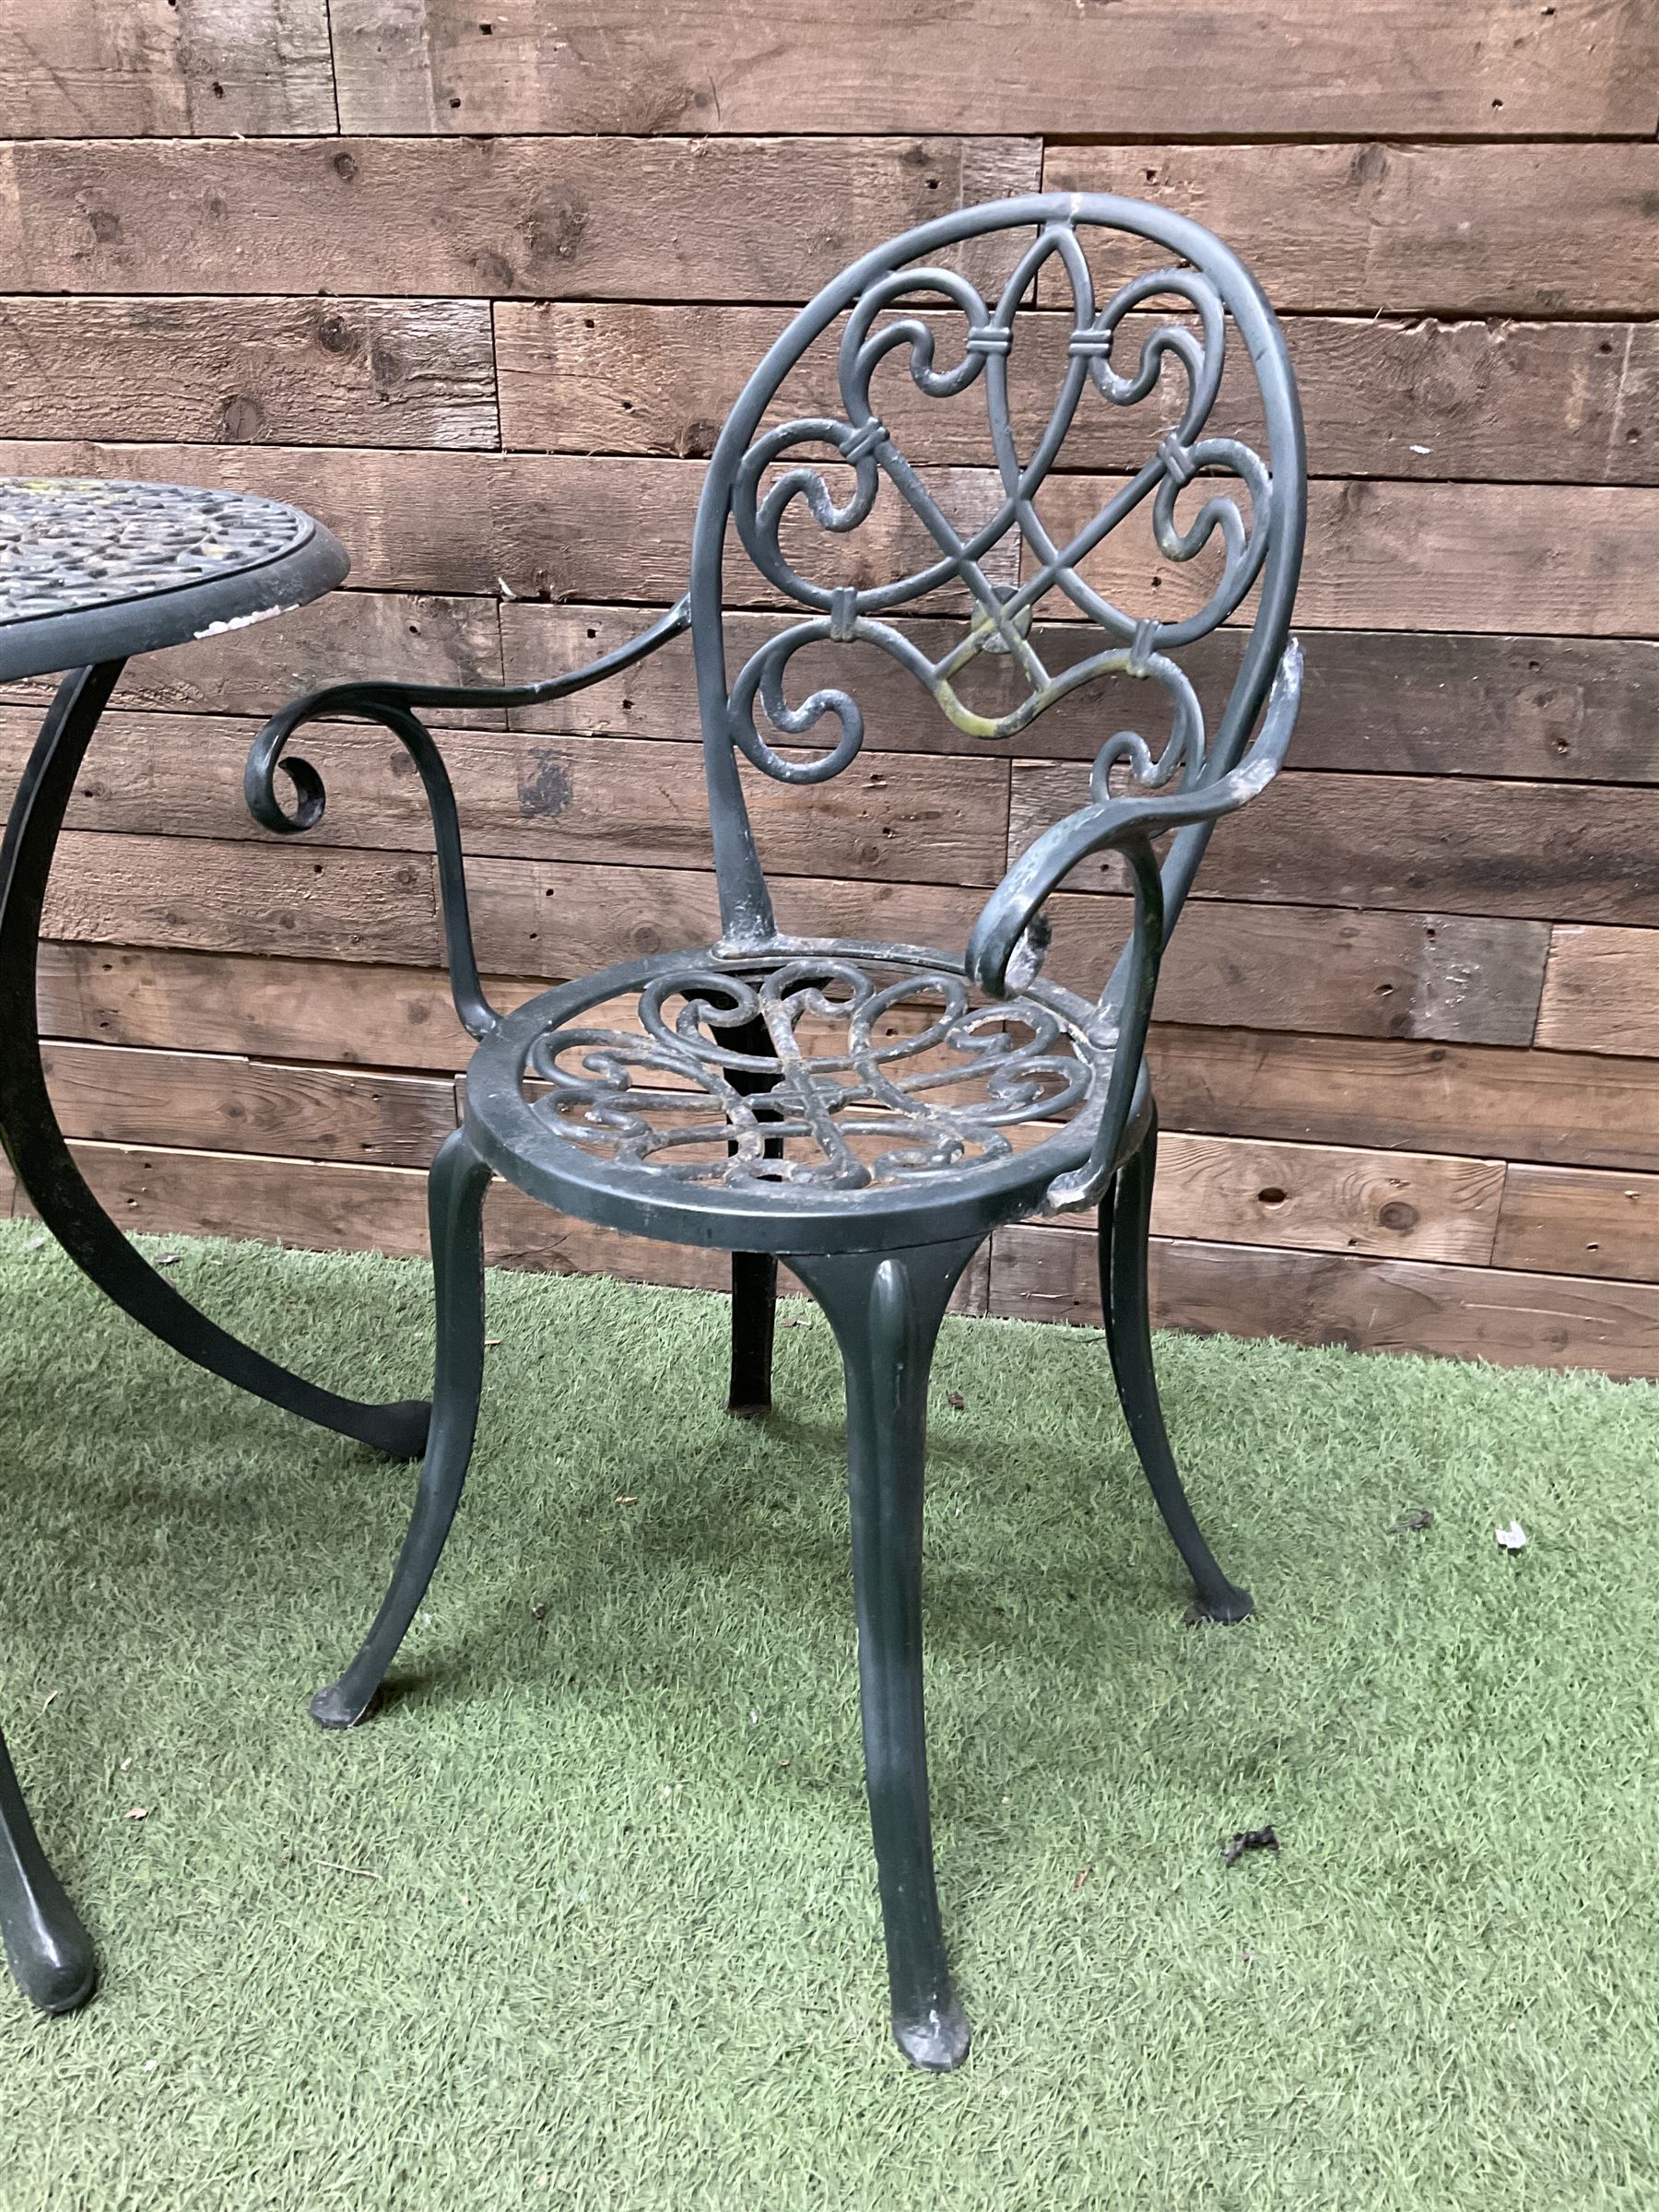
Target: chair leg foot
x,y
1226,1611
885,1310
455,1207
938,2045
1125,1220
49,1951
338,1705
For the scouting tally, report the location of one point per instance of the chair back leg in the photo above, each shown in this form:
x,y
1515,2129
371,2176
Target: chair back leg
x,y
753,1273
754,1321
885,1309
1125,1224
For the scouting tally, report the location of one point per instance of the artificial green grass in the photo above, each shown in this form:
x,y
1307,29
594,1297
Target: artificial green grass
x,y
587,1915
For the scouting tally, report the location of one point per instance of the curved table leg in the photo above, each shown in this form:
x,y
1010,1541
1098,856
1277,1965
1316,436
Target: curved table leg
x,y
35,1143
48,1950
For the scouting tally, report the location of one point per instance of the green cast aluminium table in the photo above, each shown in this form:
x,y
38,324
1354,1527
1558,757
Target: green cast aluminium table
x,y
90,573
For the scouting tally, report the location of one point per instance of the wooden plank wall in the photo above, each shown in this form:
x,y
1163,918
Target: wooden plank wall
x,y
475,279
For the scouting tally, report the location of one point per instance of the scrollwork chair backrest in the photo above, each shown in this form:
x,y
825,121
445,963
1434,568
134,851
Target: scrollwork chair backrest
x,y
753,484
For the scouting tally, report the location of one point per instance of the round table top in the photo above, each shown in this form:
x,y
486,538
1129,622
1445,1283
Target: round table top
x,y
94,569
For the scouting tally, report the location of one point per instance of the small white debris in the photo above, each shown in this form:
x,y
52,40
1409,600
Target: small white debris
x,y
1512,1538
168,1259
138,1812
1421,449
33,1244
150,2064
56,1693
506,589
261,614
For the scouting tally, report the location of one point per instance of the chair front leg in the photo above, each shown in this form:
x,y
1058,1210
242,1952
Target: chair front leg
x,y
885,1310
48,1950
456,1210
1126,1225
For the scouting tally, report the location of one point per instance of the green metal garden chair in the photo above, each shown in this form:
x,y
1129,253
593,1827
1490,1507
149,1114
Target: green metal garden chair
x,y
871,1112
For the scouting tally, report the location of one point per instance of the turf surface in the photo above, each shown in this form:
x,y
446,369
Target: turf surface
x,y
587,1916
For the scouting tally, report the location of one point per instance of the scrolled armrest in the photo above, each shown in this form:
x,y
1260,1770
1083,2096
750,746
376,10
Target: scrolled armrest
x,y
1117,824
1011,921
392,706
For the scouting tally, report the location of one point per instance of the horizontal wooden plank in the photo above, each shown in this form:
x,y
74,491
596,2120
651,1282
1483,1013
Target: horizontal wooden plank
x,y
217,1103
1511,1318
1529,402
1381,555
1564,1107
249,371
1468,705
523,525
1564,1220
1277,967
244,897
1394,556
654,219
1235,1190
1280,968
325,1206
533,797
1471,67
84,69
333,1206
355,1013
1326,1198
1313,967
1601,992
1572,851
1540,229
1381,700
429,638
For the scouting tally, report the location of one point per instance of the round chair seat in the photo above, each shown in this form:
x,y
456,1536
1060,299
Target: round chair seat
x,y
806,1097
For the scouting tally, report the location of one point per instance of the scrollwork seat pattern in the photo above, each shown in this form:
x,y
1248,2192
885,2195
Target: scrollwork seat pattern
x,y
826,1072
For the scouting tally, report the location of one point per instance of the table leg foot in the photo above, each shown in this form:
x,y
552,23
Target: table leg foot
x,y
49,1951
399,1430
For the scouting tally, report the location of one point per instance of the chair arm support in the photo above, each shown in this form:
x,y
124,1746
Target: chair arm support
x,y
1010,930
391,705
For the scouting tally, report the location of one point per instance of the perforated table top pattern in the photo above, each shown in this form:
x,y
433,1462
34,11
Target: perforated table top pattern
x,y
98,569
81,542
